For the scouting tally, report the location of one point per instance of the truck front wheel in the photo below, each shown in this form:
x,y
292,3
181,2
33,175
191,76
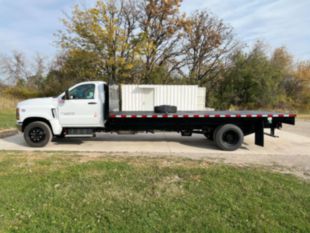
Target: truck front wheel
x,y
37,134
228,137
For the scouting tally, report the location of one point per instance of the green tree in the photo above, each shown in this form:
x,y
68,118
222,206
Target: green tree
x,y
282,66
81,65
137,40
161,26
105,30
300,86
248,82
70,68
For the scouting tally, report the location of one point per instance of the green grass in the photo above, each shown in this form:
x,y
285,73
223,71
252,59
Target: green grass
x,y
7,111
7,120
46,192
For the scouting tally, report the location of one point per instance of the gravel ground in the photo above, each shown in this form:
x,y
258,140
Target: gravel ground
x,y
302,127
289,152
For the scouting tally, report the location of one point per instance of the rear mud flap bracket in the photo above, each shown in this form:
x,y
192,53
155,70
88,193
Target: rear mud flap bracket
x,y
259,133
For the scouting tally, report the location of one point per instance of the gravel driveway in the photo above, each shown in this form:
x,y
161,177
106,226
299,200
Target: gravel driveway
x,y
289,153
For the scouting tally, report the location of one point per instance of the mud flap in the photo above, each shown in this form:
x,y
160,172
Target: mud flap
x,y
259,133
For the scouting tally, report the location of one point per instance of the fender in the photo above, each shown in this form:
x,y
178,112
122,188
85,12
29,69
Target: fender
x,y
53,123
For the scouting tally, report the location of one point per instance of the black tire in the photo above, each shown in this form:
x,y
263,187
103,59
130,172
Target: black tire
x,y
165,109
228,137
37,134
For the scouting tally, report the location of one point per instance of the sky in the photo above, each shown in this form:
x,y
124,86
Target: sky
x,y
30,25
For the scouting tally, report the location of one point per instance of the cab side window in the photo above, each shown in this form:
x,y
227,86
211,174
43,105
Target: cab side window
x,y
83,92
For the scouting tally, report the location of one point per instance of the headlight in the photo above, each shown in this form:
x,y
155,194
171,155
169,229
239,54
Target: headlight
x,y
17,114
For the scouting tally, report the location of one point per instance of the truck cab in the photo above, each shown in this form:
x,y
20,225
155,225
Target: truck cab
x,y
81,106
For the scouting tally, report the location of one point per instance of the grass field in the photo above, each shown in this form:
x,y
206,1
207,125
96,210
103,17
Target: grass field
x,y
7,111
46,192
7,120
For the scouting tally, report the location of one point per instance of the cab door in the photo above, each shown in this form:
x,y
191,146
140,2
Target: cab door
x,y
82,109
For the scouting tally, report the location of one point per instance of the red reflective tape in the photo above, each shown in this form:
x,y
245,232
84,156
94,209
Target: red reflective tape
x,y
154,116
238,115
175,116
259,115
281,115
144,116
185,116
249,115
207,116
292,115
113,116
270,115
196,116
165,116
133,116
123,116
227,115
217,115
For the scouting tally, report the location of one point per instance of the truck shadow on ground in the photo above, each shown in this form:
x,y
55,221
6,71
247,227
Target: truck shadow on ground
x,y
139,141
198,142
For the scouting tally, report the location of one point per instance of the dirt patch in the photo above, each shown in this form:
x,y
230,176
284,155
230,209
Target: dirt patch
x,y
298,165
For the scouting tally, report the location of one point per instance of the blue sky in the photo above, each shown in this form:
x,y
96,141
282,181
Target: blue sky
x,y
29,25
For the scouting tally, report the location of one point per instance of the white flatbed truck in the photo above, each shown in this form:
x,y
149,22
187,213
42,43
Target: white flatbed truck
x,y
83,110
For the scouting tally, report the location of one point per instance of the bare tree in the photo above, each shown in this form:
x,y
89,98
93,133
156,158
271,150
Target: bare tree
x,y
208,41
14,68
38,72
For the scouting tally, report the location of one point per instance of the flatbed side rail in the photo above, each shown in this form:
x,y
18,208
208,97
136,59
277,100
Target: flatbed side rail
x,y
202,115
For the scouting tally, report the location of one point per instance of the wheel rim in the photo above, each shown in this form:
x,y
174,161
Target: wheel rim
x,y
231,137
37,135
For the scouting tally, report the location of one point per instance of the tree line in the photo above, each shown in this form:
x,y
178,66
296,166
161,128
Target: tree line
x,y
153,42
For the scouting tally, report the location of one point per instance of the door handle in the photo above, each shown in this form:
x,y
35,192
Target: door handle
x,y
92,103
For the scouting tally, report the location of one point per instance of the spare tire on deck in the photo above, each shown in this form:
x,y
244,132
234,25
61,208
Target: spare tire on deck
x,y
165,109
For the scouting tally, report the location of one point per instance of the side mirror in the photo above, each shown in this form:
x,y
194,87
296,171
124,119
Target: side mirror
x,y
67,97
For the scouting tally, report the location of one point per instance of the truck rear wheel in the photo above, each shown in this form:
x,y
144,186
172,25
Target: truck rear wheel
x,y
228,137
37,134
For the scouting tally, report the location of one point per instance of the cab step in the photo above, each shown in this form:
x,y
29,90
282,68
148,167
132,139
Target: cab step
x,y
79,133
